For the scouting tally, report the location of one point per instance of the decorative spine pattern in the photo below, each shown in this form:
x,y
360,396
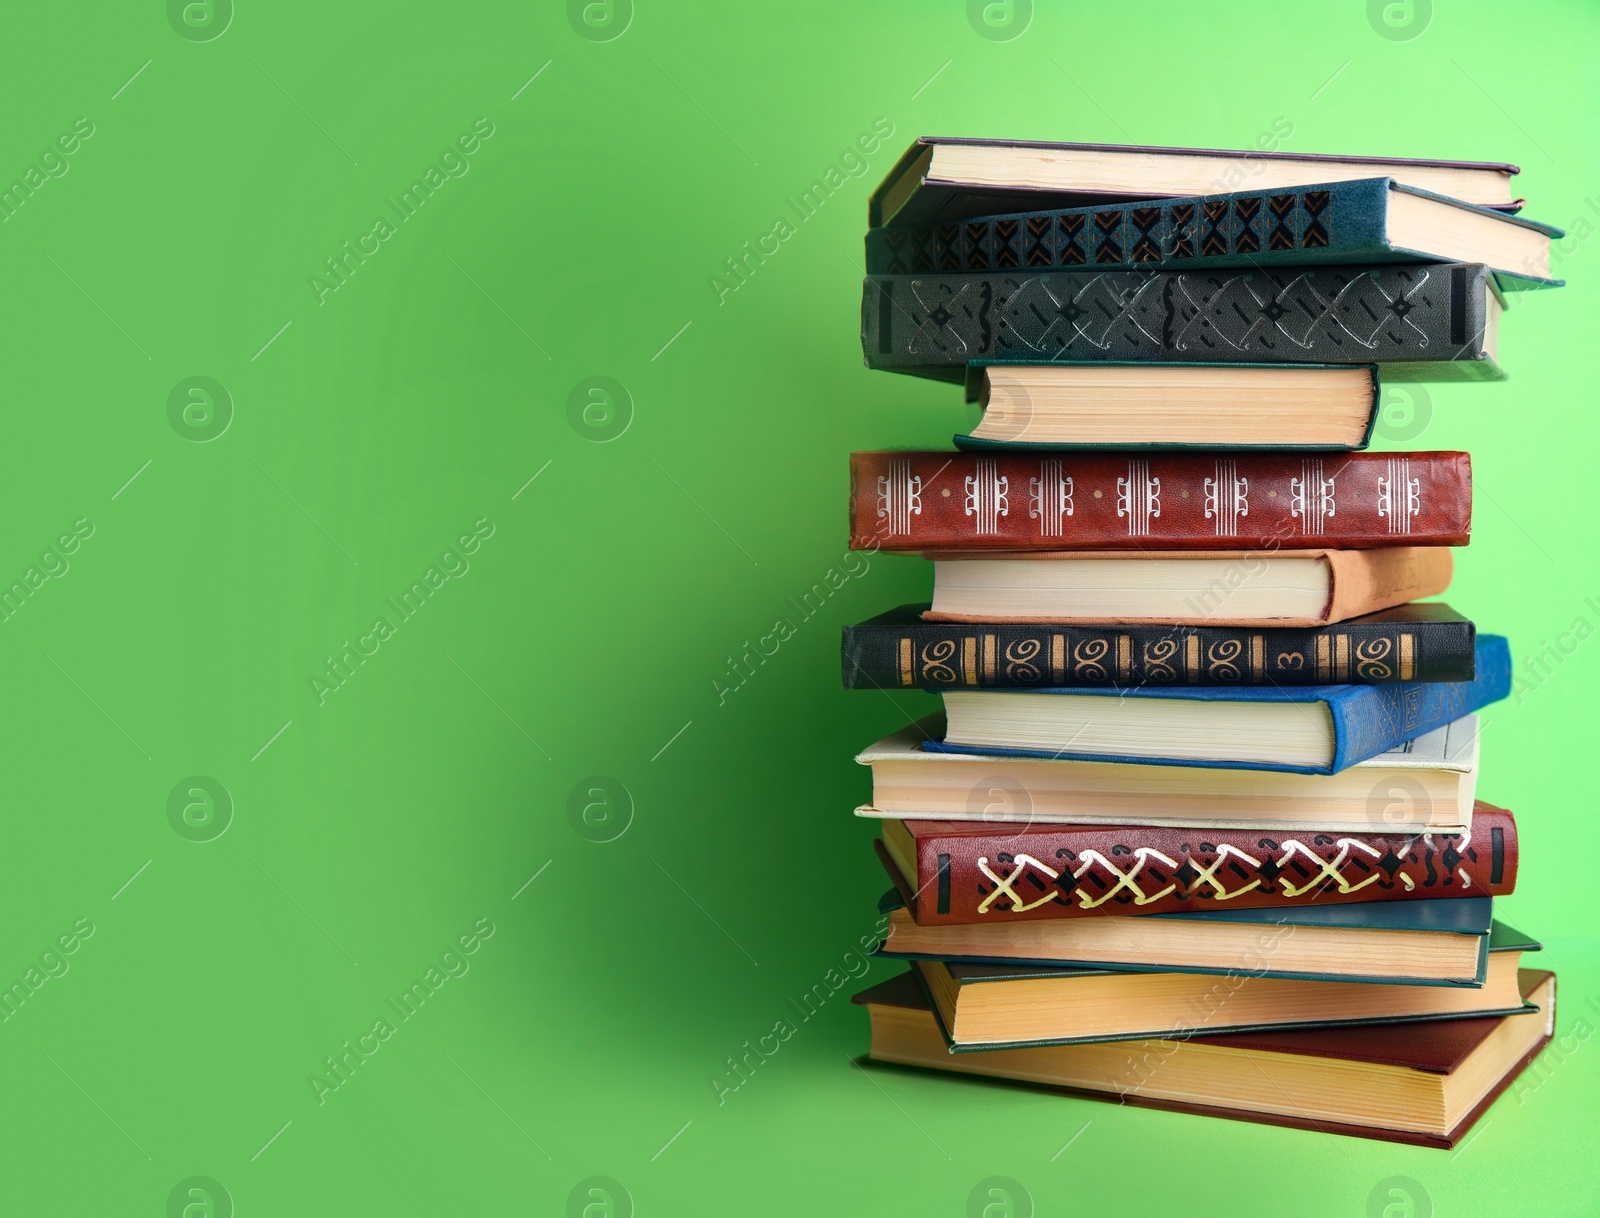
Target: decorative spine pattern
x,y
1399,496
1189,880
986,497
1313,498
899,498
1049,498
1139,498
1227,498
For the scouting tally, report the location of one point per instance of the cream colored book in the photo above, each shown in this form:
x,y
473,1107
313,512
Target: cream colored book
x,y
1198,588
942,178
1427,784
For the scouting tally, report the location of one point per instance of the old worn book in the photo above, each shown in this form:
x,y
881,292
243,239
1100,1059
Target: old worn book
x,y
978,871
940,178
1314,729
1008,1006
1374,219
1417,321
1155,501
1424,785
1409,643
1423,1083
1275,587
1427,942
1172,405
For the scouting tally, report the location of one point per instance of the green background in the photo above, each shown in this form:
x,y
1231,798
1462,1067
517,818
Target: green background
x,y
374,826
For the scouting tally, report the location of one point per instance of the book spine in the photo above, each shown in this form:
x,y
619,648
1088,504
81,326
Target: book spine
x,y
935,656
1337,222
1368,720
1088,871
1376,314
1158,500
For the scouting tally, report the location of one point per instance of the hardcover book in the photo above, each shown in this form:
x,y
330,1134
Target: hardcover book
x,y
1417,322
1425,785
1304,729
1425,1084
1409,643
1012,1006
1365,220
939,179
970,871
1070,405
1426,942
1269,587
1053,501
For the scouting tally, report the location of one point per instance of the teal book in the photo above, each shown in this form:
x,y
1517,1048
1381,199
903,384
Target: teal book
x,y
1430,942
986,1006
1372,220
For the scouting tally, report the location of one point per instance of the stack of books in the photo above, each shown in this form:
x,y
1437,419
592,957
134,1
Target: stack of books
x,y
1198,827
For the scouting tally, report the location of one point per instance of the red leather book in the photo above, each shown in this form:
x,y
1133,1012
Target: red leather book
x,y
970,871
1158,500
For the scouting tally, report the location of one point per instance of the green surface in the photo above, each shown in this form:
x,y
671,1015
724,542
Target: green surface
x,y
376,822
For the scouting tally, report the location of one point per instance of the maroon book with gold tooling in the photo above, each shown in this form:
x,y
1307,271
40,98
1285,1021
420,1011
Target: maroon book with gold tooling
x,y
972,871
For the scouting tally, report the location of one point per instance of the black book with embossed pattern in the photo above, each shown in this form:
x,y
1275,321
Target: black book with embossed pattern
x,y
1416,322
1409,643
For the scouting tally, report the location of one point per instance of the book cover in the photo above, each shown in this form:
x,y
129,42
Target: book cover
x,y
974,390
1285,945
1410,643
1439,1048
1414,321
1157,500
1367,719
1400,1004
1236,586
970,871
1325,223
917,191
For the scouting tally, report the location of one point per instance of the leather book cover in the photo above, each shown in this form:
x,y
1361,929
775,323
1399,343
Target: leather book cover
x,y
1157,500
970,871
899,649
1415,321
1325,223
1434,1047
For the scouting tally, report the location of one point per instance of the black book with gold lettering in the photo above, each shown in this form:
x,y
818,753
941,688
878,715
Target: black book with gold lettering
x,y
1409,643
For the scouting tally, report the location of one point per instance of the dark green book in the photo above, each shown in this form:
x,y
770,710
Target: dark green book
x,y
1366,220
1011,1006
1416,321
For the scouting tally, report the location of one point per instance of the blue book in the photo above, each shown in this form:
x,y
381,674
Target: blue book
x,y
1361,720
